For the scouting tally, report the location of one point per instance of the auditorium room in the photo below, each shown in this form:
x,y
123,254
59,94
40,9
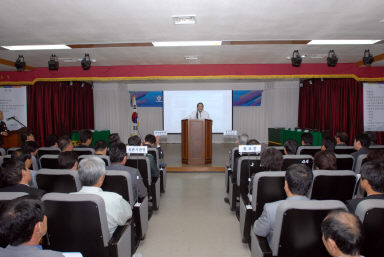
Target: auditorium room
x,y
197,128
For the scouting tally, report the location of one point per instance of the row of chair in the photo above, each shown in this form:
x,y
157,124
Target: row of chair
x,y
297,230
78,223
269,187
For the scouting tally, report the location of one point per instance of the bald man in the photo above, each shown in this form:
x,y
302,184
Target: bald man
x,y
342,234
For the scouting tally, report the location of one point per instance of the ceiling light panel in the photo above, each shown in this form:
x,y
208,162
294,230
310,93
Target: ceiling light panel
x,y
36,47
342,42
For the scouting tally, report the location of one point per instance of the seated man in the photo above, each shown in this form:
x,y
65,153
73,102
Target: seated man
x,y
325,160
306,139
372,182
22,156
85,138
361,145
298,179
27,136
153,142
65,144
271,159
92,174
242,139
328,143
136,141
52,141
118,156
68,160
290,147
100,147
15,177
31,147
23,223
113,139
342,234
341,138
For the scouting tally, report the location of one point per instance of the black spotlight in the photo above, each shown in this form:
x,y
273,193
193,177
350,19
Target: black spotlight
x,y
368,58
332,58
53,63
20,63
296,59
86,62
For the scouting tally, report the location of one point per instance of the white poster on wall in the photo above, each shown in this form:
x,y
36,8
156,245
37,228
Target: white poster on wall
x,y
13,103
373,98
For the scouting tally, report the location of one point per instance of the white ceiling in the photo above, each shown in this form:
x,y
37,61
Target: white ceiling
x,y
127,21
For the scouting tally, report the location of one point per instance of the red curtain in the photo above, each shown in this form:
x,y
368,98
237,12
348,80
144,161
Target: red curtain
x,y
59,107
334,105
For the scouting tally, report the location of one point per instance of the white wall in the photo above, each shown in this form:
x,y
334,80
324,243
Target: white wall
x,y
279,107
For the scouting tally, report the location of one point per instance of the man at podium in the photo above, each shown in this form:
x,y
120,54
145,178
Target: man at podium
x,y
3,127
199,114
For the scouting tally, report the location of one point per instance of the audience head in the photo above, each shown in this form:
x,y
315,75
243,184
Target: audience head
x,y
242,139
306,139
65,144
361,140
271,159
30,147
150,139
372,137
342,234
23,221
52,141
118,153
92,171
372,176
342,138
113,139
100,147
68,160
85,137
22,156
27,136
290,146
14,172
134,141
376,154
328,143
298,179
253,142
325,160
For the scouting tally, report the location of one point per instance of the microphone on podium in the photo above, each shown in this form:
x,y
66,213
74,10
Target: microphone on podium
x,y
11,118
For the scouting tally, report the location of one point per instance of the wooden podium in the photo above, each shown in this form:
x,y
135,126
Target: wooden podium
x,y
13,139
196,141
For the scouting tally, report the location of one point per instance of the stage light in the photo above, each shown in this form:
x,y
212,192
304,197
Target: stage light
x,y
20,63
296,59
368,58
332,58
86,62
53,63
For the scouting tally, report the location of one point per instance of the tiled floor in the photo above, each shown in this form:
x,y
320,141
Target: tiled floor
x,y
193,220
220,154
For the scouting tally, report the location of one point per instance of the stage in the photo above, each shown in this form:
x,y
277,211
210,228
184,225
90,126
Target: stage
x,y
220,157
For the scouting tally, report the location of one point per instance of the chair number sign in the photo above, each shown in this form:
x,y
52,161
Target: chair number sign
x,y
159,133
137,150
249,149
305,161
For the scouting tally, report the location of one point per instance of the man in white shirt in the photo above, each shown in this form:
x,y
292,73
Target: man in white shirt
x,y
199,114
92,173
